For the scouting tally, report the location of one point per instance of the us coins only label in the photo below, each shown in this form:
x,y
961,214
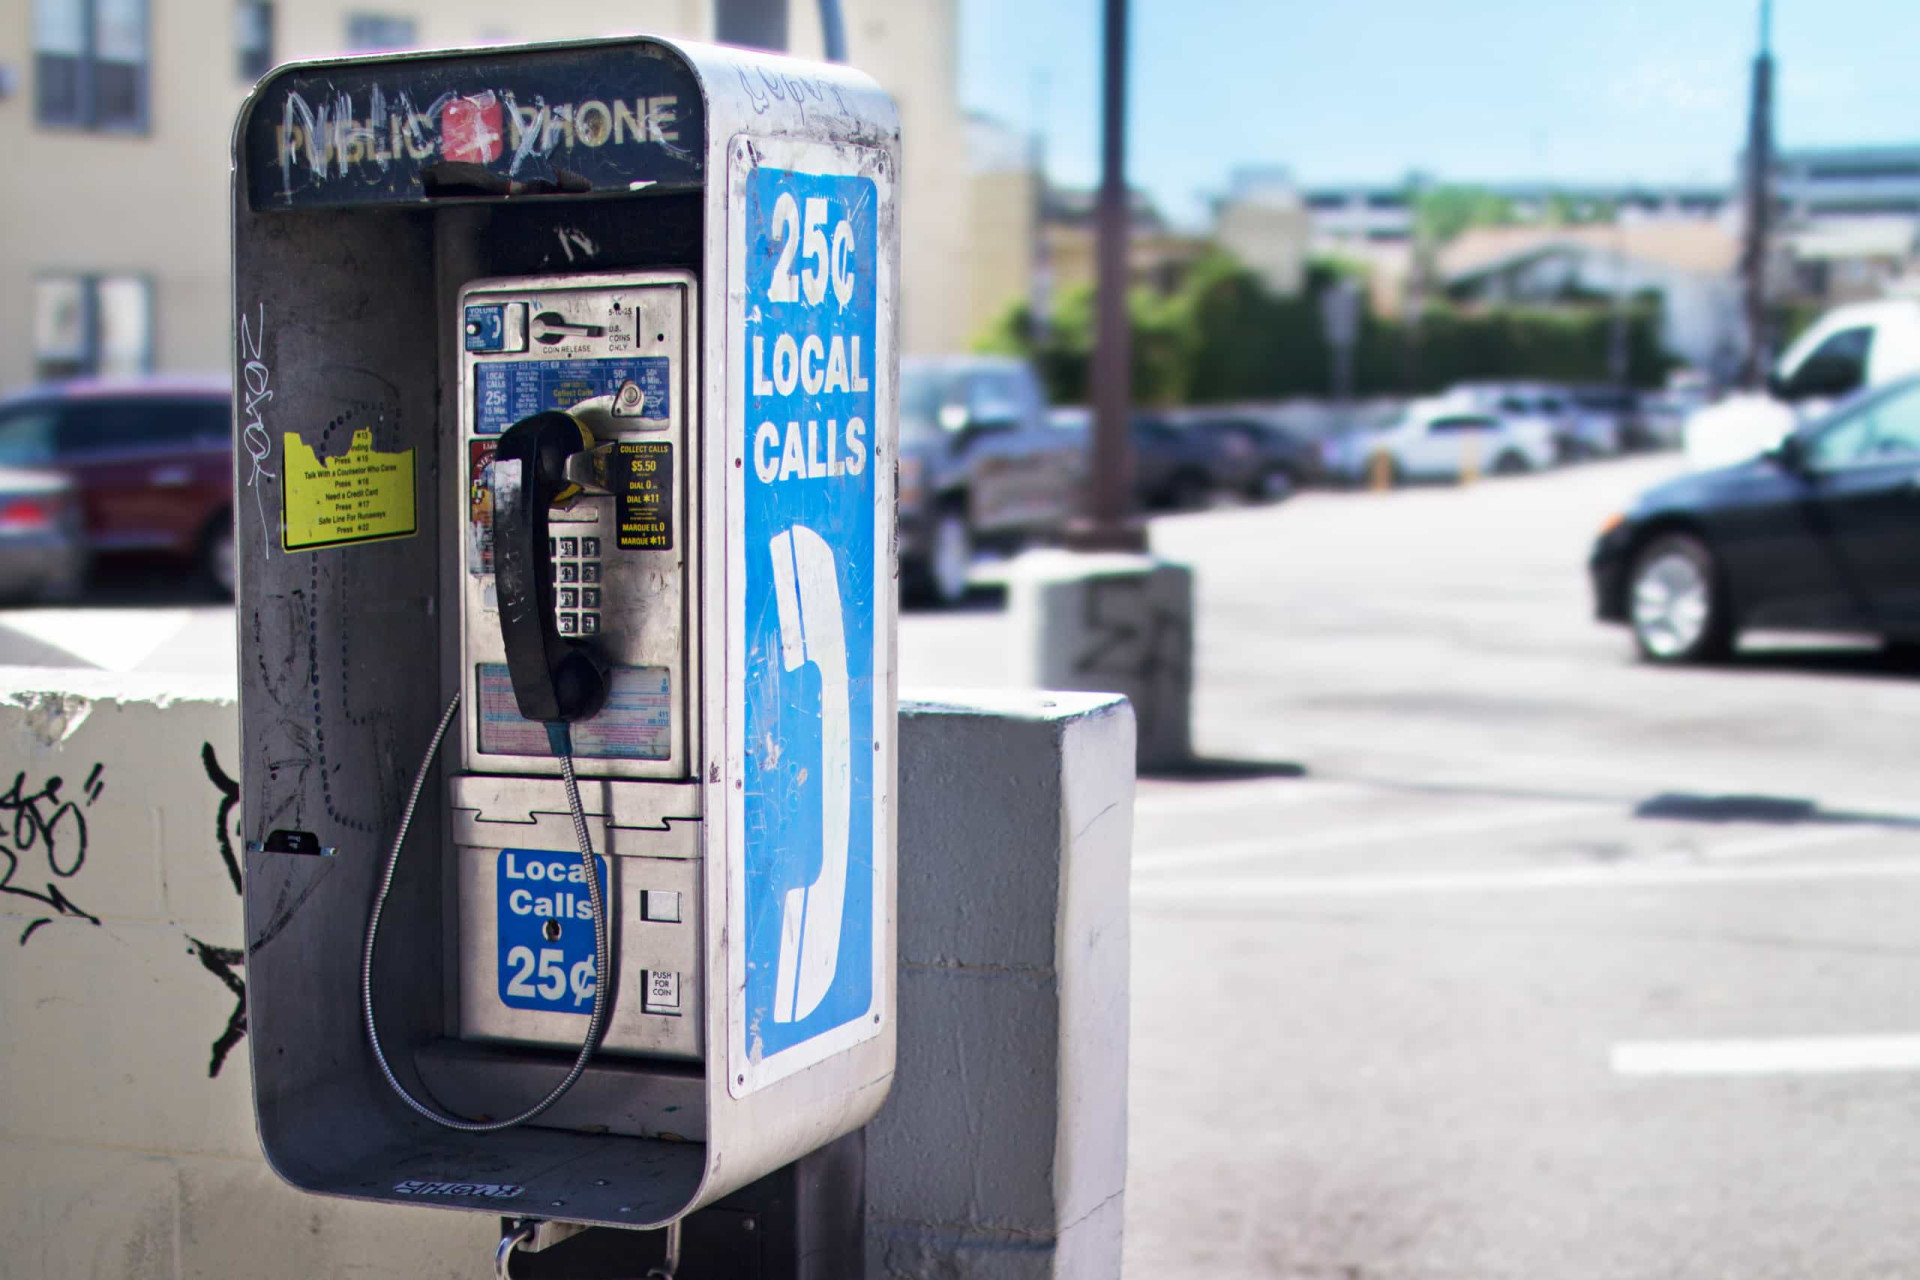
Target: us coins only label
x,y
546,930
643,486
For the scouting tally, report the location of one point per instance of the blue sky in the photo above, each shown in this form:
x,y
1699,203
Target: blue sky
x,y
1365,90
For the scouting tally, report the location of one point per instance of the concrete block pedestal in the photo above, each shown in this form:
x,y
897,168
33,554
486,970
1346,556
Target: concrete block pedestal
x,y
1110,622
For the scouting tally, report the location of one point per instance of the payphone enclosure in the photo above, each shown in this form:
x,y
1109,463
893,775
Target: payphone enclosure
x,y
693,252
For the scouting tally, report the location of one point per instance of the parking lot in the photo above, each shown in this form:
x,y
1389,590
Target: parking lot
x,y
1413,1004
1473,947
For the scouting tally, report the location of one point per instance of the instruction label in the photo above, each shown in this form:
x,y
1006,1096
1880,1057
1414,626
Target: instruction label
x,y
636,723
362,495
546,930
643,485
507,391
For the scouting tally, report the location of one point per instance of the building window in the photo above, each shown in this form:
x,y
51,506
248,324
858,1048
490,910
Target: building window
x,y
252,39
378,33
88,324
90,63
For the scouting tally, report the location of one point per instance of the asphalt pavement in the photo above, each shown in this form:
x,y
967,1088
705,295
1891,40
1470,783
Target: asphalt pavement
x,y
1524,959
1475,948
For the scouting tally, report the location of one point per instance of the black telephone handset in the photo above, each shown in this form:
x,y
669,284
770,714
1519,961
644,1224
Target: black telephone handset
x,y
555,680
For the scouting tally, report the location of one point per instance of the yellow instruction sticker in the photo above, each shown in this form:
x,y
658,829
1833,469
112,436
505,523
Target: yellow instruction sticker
x,y
359,496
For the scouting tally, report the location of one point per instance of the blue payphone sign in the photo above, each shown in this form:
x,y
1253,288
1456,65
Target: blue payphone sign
x,y
811,611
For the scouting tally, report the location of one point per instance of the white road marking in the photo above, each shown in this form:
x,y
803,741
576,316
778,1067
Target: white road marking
x,y
1183,858
1246,890
1215,797
112,639
1793,840
1808,1055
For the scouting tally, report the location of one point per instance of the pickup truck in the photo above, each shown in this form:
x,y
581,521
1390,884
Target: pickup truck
x,y
980,468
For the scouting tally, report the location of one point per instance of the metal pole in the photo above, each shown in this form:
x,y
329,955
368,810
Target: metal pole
x,y
833,31
1759,210
1111,489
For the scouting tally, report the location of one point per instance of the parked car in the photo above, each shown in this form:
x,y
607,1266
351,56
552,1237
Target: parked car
x,y
1818,534
1865,344
1613,420
1439,440
150,460
979,468
42,540
1177,469
1174,468
1258,459
1575,435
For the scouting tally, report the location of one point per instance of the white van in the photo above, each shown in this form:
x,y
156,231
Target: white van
x,y
1863,344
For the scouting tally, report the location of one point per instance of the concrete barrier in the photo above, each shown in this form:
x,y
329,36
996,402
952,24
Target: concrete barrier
x,y
1109,621
127,1146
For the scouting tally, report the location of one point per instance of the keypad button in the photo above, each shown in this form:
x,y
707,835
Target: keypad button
x,y
589,547
569,597
589,624
589,572
569,546
569,624
590,597
570,572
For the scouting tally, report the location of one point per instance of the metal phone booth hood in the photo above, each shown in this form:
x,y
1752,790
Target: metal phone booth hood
x,y
566,372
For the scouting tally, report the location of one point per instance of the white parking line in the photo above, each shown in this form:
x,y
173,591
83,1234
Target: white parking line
x,y
1183,858
1214,797
1249,890
1808,1055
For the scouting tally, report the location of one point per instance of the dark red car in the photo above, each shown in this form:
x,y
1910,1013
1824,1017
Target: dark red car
x,y
151,460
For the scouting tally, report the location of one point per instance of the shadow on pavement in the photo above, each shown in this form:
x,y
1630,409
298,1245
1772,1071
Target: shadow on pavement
x,y
1858,661
983,598
1203,769
1779,810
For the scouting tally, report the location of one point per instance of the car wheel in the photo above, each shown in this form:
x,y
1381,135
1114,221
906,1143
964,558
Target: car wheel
x,y
217,558
941,579
1675,602
1511,463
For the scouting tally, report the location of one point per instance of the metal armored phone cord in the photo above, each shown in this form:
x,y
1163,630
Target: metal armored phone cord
x,y
561,741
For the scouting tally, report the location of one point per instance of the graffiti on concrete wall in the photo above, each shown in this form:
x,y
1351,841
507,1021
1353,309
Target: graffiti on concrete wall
x,y
45,846
224,963
1139,640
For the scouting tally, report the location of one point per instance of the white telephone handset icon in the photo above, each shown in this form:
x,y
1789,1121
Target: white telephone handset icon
x,y
806,590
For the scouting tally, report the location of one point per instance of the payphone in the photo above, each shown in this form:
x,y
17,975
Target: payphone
x,y
566,392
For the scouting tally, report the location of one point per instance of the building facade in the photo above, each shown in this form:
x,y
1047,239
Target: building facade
x,y
115,259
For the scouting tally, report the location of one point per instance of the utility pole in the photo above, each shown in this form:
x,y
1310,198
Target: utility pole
x,y
1759,208
1110,493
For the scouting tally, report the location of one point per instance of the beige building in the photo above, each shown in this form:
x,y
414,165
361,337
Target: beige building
x,y
1263,222
116,118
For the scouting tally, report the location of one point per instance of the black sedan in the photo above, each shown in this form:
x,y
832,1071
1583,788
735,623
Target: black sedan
x,y
1821,534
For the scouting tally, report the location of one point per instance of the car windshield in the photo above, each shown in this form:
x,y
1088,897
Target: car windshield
x,y
26,437
924,392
